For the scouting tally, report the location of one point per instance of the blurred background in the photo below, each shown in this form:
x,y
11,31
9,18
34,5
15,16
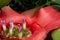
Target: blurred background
x,y
23,5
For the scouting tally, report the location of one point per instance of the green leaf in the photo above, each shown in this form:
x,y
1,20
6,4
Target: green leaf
x,y
56,34
15,31
56,1
4,3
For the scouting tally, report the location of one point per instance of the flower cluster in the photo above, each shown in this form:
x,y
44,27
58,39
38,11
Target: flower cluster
x,y
15,31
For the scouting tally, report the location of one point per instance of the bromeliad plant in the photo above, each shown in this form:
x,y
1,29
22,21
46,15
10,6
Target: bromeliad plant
x,y
13,28
16,26
46,20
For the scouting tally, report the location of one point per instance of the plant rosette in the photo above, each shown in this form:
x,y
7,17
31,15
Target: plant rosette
x,y
12,23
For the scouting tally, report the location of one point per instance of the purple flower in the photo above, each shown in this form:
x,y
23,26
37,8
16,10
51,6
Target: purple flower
x,y
24,24
3,25
3,22
24,20
20,28
11,24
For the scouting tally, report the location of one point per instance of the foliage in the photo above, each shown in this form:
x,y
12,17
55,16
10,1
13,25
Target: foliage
x,y
56,34
4,3
22,5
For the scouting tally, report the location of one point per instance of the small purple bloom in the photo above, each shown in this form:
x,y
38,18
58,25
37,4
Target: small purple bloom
x,y
20,28
3,22
11,23
24,20
3,25
24,23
